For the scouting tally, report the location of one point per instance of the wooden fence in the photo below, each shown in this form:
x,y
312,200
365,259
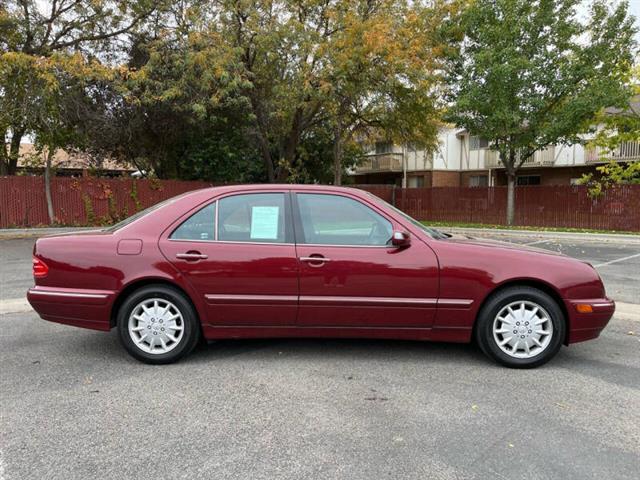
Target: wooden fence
x,y
82,201
92,201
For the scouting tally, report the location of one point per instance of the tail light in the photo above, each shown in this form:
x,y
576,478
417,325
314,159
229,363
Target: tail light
x,y
40,269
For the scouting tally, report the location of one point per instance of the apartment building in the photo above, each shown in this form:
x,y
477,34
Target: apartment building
x,y
465,160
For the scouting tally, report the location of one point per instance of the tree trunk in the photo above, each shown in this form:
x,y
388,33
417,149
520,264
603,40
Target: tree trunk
x,y
14,150
47,185
268,162
511,197
263,141
4,162
338,150
291,146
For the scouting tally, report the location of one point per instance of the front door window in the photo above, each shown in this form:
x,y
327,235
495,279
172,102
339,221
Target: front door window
x,y
338,220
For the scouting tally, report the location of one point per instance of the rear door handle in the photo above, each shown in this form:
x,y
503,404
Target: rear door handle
x,y
192,256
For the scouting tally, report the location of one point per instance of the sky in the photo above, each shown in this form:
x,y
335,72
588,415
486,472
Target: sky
x,y
634,8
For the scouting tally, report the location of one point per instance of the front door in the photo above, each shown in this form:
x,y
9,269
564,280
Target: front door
x,y
350,275
243,263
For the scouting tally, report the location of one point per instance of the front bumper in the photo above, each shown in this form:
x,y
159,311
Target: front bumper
x,y
86,308
585,326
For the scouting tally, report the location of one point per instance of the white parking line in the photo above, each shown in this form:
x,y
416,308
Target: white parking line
x,y
617,260
536,242
14,305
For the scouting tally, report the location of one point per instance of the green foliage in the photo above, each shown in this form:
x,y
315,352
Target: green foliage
x,y
619,125
34,37
532,74
613,173
88,209
134,195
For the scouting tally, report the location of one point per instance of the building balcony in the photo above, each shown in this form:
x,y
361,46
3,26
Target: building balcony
x,y
541,158
625,152
380,163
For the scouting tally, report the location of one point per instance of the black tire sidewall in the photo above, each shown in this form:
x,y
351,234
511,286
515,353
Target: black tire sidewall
x,y
496,302
191,326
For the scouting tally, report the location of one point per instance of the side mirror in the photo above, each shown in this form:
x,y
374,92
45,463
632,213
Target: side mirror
x,y
400,239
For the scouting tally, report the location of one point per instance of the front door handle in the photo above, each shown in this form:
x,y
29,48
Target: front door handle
x,y
192,256
312,260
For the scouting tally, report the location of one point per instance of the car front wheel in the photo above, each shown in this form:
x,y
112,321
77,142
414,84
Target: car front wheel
x,y
157,324
521,327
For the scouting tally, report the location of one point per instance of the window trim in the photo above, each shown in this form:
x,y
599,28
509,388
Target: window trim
x,y
299,231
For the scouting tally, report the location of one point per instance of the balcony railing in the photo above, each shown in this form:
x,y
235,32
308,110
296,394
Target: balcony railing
x,y
541,158
625,152
380,162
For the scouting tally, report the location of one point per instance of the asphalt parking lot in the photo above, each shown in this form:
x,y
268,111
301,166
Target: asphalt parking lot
x,y
74,405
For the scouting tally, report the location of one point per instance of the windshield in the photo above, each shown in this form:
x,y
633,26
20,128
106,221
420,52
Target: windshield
x,y
432,232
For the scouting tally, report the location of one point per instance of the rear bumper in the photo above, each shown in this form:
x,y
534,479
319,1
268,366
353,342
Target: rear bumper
x,y
84,308
585,326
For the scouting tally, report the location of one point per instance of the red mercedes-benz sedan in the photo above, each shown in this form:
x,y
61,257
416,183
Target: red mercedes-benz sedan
x,y
310,261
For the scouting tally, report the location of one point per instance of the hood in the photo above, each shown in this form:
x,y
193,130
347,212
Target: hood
x,y
485,242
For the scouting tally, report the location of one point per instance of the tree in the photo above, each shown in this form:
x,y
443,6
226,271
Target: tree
x,y
52,92
613,173
41,29
617,127
351,64
532,74
385,72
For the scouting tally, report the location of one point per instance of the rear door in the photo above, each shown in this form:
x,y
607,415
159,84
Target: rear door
x,y
350,275
238,254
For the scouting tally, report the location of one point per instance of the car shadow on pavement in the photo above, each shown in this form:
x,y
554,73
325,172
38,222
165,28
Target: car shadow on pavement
x,y
582,362
339,349
578,359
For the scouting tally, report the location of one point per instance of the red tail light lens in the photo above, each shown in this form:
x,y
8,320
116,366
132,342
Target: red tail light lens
x,y
40,269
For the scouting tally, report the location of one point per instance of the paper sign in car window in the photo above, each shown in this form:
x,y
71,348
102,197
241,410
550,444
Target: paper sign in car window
x,y
264,223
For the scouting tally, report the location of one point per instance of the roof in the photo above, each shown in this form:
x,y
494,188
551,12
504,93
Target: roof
x,y
282,186
634,107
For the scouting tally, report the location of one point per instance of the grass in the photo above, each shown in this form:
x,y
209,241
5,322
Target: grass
x,y
521,227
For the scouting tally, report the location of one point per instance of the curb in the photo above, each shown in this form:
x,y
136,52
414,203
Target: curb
x,y
590,237
39,232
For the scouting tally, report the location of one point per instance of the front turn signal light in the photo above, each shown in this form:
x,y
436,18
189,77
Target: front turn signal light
x,y
584,308
40,269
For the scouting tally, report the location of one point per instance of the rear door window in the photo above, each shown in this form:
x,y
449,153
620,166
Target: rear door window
x,y
199,226
257,217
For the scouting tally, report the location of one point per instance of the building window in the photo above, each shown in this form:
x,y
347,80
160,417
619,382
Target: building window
x,y
478,181
416,182
384,147
528,180
476,143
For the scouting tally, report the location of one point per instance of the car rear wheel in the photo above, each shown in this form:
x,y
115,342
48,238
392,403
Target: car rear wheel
x,y
521,327
157,324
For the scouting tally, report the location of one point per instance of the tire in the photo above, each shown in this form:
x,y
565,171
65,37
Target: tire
x,y
528,323
165,318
